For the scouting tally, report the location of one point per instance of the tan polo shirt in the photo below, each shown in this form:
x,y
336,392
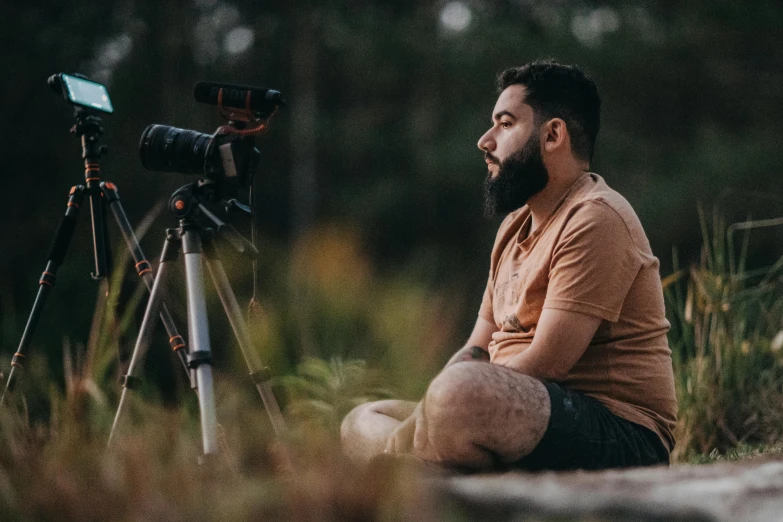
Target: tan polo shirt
x,y
591,256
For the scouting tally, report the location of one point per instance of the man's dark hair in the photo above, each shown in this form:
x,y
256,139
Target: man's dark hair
x,y
561,91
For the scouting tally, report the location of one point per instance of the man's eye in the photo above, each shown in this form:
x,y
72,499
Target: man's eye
x,y
505,124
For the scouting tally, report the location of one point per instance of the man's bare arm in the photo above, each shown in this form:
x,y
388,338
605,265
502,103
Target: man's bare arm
x,y
475,348
561,338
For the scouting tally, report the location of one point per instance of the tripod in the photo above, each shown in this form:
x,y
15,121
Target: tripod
x,y
101,194
198,245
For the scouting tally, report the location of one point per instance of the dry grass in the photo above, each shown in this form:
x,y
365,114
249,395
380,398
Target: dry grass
x,y
54,464
61,469
726,337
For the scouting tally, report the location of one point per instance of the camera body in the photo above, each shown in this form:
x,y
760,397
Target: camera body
x,y
227,159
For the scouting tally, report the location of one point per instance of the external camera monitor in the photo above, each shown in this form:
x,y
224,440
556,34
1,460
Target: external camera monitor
x,y
86,93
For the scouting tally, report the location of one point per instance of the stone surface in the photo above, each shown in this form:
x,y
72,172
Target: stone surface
x,y
750,490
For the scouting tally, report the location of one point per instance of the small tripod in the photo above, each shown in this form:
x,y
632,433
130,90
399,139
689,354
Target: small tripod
x,y
101,194
197,245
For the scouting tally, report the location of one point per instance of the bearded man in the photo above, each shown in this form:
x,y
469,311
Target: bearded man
x,y
568,365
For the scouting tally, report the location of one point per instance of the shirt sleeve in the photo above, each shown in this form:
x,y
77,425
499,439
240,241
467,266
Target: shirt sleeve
x,y
594,263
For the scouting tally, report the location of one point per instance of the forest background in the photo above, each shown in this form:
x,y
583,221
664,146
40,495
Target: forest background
x,y
373,245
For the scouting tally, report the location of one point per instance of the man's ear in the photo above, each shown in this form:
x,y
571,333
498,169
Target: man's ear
x,y
555,134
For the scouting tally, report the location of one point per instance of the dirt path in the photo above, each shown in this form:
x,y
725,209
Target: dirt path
x,y
750,490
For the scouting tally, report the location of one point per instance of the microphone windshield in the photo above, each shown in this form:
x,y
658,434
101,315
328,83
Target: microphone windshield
x,y
261,99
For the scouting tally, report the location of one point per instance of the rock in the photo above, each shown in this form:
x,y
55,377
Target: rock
x,y
750,490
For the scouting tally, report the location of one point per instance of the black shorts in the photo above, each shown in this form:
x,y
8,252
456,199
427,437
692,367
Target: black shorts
x,y
583,434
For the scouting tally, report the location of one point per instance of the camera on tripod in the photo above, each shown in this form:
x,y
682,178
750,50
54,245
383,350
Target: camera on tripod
x,y
226,157
226,160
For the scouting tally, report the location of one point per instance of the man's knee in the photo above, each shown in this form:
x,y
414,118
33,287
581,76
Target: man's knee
x,y
456,388
450,411
464,401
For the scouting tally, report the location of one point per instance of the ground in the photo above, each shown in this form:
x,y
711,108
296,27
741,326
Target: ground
x,y
749,490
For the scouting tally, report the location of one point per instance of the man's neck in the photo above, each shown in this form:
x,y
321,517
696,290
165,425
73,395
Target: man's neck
x,y
543,204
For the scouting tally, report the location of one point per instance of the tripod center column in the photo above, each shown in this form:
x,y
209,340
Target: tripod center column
x,y
200,356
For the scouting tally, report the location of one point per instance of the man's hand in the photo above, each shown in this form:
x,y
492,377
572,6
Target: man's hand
x,y
476,347
470,353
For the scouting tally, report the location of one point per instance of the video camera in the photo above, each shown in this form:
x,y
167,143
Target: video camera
x,y
227,156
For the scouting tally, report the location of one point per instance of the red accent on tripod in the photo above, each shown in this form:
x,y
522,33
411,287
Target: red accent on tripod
x,y
246,115
177,342
15,362
143,267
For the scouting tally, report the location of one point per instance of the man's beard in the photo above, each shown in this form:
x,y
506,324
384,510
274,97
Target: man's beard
x,y
520,176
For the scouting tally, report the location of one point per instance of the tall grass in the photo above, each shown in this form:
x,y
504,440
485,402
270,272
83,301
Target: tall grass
x,y
726,337
64,472
726,340
54,464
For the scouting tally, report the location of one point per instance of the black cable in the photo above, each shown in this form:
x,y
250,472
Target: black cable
x,y
254,240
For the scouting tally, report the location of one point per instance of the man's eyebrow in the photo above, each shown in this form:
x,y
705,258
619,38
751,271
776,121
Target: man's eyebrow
x,y
500,114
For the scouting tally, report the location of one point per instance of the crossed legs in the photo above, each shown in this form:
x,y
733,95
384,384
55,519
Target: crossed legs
x,y
474,415
367,428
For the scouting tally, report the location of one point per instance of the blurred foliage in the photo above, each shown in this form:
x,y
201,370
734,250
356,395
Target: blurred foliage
x,y
740,452
371,237
63,471
324,392
386,101
60,468
726,339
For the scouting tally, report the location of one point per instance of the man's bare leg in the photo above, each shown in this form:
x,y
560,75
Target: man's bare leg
x,y
476,415
366,429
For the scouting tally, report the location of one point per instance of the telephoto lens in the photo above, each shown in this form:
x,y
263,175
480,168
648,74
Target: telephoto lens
x,y
170,149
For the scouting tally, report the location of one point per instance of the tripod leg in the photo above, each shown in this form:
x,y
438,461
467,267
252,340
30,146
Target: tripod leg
x,y
92,174
258,373
131,379
109,260
56,257
144,270
200,356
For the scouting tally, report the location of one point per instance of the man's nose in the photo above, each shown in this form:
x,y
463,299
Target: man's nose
x,y
486,143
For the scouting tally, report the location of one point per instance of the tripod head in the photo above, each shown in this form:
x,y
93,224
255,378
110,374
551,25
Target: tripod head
x,y
89,128
187,203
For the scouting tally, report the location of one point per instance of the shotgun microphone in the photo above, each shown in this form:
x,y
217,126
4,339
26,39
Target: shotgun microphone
x,y
261,99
